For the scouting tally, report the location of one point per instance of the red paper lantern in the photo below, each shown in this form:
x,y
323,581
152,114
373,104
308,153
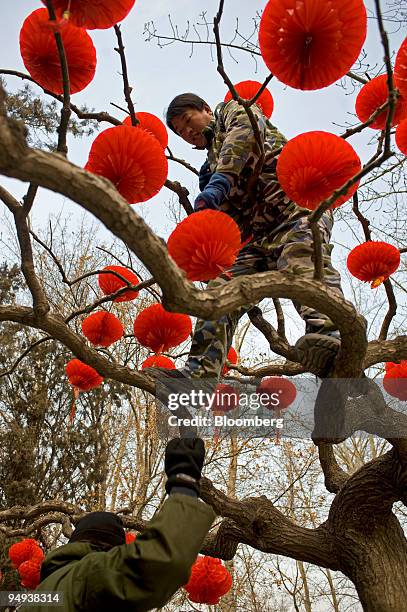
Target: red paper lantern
x,y
309,44
160,330
371,96
281,392
40,54
390,365
102,328
400,69
133,160
94,14
395,381
226,398
130,537
158,361
151,124
82,376
401,136
248,89
209,581
23,551
232,358
373,262
110,283
205,244
313,165
30,573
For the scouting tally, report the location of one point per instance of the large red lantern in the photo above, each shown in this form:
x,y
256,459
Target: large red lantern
x,y
133,160
400,69
102,328
209,581
93,14
309,44
374,94
82,376
205,244
248,89
23,551
40,54
232,358
151,124
110,283
158,361
159,330
373,262
401,136
395,381
313,165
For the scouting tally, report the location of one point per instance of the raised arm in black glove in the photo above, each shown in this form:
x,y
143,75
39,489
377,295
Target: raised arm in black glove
x,y
184,458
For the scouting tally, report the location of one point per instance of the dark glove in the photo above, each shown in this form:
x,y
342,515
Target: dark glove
x,y
205,174
184,458
215,192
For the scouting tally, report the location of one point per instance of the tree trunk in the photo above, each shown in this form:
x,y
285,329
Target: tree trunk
x,y
377,565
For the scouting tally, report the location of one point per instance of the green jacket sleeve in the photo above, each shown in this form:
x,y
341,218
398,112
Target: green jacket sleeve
x,y
240,148
145,574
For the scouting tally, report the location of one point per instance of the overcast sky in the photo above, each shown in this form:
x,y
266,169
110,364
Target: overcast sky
x,y
157,75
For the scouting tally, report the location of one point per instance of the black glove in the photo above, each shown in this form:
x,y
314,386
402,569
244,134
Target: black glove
x,y
184,458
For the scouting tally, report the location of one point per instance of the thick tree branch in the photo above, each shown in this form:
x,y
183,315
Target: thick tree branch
x,y
257,523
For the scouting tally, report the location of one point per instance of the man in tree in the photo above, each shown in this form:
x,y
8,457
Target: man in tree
x,y
277,231
98,571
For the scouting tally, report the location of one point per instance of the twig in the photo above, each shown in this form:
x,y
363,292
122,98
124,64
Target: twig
x,y
391,311
66,106
126,86
390,84
182,193
98,116
182,162
277,344
24,354
109,298
362,126
364,222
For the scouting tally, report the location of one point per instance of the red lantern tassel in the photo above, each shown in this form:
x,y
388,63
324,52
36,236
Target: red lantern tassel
x,y
73,407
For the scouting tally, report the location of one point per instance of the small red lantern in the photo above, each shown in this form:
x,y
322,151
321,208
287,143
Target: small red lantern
x,y
374,94
248,89
110,283
30,572
159,330
133,160
151,124
231,358
400,69
373,262
281,391
313,165
310,44
158,361
130,537
93,14
40,53
209,581
102,328
82,376
23,551
401,136
395,381
205,244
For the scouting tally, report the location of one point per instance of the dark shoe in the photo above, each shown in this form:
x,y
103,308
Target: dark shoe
x,y
317,353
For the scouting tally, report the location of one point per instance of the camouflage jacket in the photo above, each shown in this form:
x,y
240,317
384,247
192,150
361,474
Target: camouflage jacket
x,y
232,149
